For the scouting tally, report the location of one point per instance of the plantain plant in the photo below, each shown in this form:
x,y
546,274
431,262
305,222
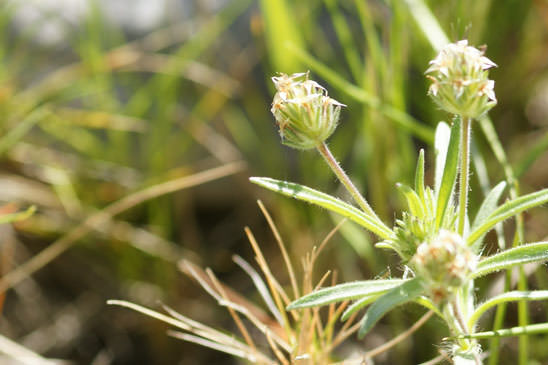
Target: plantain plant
x,y
440,246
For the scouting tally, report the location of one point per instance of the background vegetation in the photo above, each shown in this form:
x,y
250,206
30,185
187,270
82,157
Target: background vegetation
x,y
109,109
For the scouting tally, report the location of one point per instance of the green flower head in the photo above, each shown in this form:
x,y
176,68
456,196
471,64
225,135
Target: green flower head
x,y
305,114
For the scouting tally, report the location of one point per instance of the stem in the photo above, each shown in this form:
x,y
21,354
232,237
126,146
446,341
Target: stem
x,y
464,172
461,322
344,179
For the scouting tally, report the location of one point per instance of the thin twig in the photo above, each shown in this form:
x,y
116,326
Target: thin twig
x,y
402,336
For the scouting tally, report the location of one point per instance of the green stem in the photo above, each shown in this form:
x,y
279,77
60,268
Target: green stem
x,y
460,326
464,172
344,179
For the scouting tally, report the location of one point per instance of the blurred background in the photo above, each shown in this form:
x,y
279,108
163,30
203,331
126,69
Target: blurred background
x,y
100,99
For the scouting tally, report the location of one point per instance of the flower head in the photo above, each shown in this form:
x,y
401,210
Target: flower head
x,y
305,114
445,263
460,83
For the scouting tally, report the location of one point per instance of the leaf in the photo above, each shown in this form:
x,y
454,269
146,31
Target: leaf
x,y
19,216
507,210
346,291
356,306
419,176
488,206
416,207
450,167
441,142
532,252
404,293
323,200
532,329
511,296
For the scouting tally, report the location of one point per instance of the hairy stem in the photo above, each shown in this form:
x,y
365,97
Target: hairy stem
x,y
344,179
464,172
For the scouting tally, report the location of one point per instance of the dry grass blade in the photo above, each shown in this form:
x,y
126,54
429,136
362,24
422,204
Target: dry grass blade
x,y
202,278
281,245
276,350
224,296
231,310
275,287
185,324
402,336
260,285
203,330
61,245
248,355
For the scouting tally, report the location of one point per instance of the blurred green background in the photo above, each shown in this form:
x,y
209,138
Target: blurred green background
x,y
100,99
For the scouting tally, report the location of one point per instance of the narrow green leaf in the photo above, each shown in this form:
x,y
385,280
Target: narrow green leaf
x,y
414,202
488,206
532,329
507,210
532,252
19,216
511,296
346,291
357,305
404,293
445,192
323,200
428,304
419,176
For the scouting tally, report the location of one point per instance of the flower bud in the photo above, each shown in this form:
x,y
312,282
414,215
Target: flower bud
x,y
460,83
445,263
305,114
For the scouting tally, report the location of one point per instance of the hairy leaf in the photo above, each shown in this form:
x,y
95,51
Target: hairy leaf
x,y
323,200
532,252
404,293
346,291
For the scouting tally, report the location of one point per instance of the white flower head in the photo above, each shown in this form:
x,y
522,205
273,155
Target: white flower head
x,y
460,83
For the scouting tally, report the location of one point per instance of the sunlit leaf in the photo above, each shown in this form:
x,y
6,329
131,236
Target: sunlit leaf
x,y
419,176
507,210
532,252
346,291
511,296
488,206
450,168
414,202
323,200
